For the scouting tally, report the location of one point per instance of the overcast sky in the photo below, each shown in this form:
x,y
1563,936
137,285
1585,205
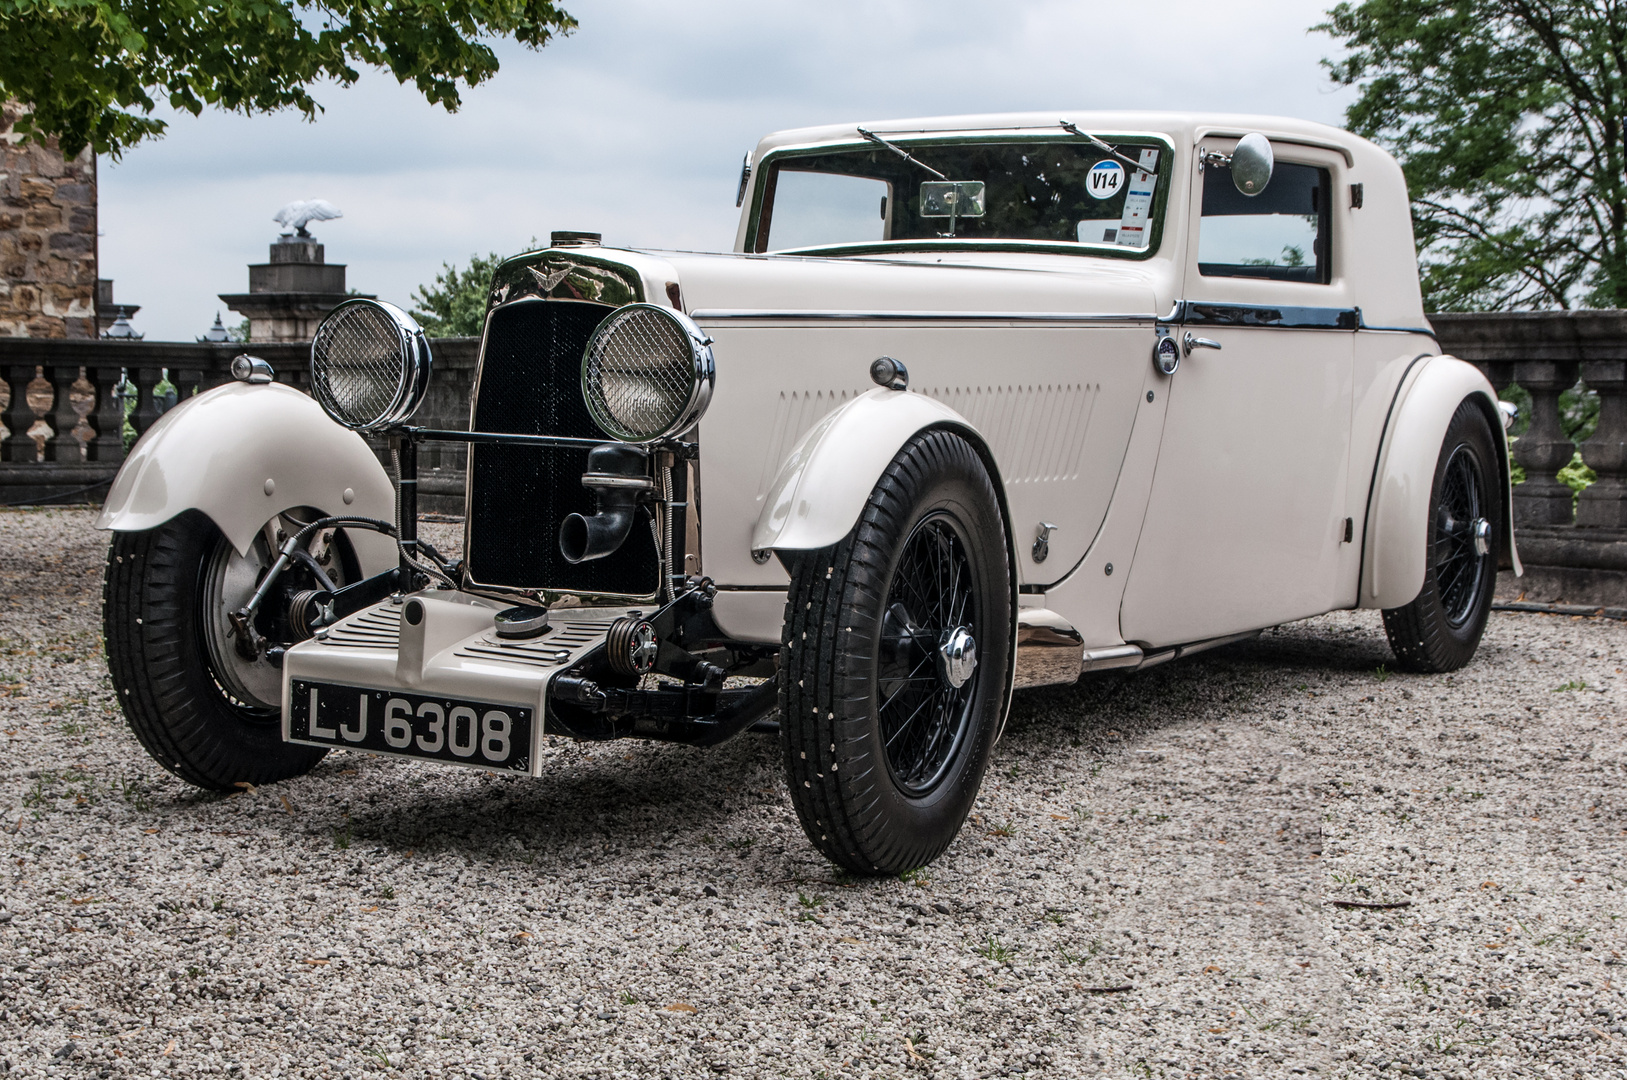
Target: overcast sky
x,y
635,126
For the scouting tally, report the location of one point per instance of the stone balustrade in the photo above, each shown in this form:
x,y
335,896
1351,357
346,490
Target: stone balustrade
x,y
1571,557
78,389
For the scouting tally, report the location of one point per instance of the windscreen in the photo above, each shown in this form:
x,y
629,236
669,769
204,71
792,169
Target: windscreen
x,y
1049,190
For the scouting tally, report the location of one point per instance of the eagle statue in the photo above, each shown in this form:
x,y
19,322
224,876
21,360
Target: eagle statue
x,y
296,215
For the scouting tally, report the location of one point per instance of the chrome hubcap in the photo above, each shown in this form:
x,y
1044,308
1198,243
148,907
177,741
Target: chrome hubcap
x,y
927,663
957,657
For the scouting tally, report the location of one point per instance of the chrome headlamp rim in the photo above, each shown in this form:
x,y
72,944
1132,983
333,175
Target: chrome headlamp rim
x,y
412,376
703,374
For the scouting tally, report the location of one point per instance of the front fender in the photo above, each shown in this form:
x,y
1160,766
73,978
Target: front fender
x,y
241,453
821,489
1398,512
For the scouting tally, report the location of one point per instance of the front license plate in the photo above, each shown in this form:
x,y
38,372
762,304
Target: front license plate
x,y
391,722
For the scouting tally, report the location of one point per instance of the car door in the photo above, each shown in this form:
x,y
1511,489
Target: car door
x,y
1247,511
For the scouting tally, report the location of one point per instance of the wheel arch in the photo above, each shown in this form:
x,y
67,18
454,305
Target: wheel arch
x,y
822,486
1396,527
242,453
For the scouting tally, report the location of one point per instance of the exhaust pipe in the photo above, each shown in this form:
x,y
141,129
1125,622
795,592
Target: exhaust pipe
x,y
618,475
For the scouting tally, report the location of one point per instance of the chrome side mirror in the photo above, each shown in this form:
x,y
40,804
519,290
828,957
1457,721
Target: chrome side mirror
x,y
1252,163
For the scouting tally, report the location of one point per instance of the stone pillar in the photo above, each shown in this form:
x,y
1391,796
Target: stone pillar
x,y
1603,504
1500,373
107,417
1544,449
146,412
62,445
47,237
290,295
19,417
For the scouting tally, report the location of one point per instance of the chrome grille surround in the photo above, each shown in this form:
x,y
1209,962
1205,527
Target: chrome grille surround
x,y
647,373
370,365
528,382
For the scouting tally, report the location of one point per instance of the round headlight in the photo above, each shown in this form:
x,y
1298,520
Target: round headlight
x,y
369,365
647,373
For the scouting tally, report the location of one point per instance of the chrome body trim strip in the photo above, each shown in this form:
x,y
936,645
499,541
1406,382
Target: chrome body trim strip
x,y
1118,656
1269,316
1281,317
1404,330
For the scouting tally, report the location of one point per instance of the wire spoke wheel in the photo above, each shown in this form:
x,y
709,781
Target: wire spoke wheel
x,y
895,662
1440,628
921,708
1460,555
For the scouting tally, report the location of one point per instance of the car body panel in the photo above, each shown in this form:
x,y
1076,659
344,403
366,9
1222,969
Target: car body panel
x,y
1244,523
243,453
835,467
1227,513
1394,547
1049,380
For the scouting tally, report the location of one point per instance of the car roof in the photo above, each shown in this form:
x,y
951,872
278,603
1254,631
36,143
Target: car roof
x,y
1181,127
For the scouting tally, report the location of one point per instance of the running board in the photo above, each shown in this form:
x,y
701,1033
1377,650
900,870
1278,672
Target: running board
x,y
1050,652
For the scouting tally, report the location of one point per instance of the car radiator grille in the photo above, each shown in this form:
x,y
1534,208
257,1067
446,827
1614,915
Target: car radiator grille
x,y
530,383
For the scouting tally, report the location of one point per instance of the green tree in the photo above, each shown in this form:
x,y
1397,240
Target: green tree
x,y
90,72
455,305
1507,116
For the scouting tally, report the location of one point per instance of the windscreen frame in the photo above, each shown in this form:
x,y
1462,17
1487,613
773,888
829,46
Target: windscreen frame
x,y
760,222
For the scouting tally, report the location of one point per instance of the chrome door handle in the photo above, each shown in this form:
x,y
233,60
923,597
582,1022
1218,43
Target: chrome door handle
x,y
1193,341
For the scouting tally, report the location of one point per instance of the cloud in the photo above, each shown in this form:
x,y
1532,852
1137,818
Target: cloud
x,y
634,126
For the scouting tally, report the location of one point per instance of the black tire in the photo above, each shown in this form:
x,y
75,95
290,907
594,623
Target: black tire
x,y
853,650
1440,630
154,623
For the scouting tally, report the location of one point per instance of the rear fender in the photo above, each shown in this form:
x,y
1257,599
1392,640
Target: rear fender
x,y
242,453
1398,509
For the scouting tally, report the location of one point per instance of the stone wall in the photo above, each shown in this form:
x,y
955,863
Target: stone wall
x,y
1574,548
47,238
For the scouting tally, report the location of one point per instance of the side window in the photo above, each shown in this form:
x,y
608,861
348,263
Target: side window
x,y
816,208
1281,234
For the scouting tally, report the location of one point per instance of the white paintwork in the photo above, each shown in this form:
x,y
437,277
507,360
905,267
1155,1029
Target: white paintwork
x,y
1052,393
454,654
1393,560
1089,597
241,454
750,614
448,619
1245,520
1222,516
826,479
1220,503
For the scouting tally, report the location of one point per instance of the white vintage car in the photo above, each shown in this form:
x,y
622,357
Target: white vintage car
x,y
976,404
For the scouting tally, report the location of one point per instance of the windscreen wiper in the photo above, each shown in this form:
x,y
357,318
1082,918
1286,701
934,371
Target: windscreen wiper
x,y
905,154
1068,125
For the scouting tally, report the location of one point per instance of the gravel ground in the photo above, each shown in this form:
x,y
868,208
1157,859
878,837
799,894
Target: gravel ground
x,y
1149,886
